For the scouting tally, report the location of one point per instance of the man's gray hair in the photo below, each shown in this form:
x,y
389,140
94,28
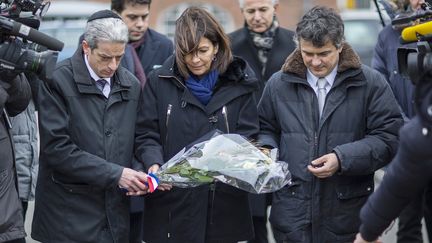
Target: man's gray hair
x,y
241,2
107,30
320,25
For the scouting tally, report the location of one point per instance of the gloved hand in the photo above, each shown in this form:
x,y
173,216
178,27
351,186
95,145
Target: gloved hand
x,y
10,53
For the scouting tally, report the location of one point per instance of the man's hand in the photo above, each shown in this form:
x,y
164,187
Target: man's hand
x,y
359,239
133,181
10,53
325,166
163,187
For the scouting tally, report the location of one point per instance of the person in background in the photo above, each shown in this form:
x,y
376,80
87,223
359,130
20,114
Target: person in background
x,y
261,41
385,60
199,89
335,122
265,46
25,137
152,47
87,117
15,95
148,49
406,177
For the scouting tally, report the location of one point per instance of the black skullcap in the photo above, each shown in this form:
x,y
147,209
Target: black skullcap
x,y
102,14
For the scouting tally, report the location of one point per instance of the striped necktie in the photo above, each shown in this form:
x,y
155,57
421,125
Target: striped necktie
x,y
101,86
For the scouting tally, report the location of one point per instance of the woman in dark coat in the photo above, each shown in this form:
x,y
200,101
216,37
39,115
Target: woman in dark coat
x,y
200,89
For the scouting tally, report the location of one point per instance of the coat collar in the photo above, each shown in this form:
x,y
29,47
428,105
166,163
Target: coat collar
x,y
82,76
238,72
348,59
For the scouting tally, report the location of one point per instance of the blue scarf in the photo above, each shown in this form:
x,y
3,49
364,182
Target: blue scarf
x,y
202,89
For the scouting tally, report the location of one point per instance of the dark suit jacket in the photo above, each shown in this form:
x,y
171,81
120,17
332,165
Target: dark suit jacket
x,y
243,46
154,51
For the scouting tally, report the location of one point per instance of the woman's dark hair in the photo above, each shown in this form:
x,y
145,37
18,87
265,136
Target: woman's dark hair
x,y
194,24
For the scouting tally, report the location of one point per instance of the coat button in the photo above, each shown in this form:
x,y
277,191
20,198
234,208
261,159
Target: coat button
x,y
369,189
108,133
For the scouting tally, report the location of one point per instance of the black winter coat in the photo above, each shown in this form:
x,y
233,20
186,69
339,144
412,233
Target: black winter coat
x,y
172,118
407,176
86,141
385,60
243,46
14,98
360,123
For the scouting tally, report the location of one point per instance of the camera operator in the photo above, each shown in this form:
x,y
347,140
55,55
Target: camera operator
x,y
15,95
386,62
407,176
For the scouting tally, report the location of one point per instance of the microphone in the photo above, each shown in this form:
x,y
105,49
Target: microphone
x,y
412,34
17,29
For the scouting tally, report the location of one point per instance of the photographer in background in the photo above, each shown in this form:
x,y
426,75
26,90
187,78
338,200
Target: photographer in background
x,y
15,95
407,176
386,62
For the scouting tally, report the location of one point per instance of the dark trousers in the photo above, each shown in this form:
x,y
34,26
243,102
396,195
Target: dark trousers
x,y
260,229
136,225
428,211
410,226
24,207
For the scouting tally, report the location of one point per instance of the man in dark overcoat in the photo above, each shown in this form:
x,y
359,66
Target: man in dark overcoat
x,y
87,124
335,122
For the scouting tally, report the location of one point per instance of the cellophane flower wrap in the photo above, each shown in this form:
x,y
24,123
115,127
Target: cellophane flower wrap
x,y
230,159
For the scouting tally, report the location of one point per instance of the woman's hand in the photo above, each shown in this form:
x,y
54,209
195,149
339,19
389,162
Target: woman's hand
x,y
359,239
163,187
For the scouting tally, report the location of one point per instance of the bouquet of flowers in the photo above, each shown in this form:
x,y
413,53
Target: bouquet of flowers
x,y
228,158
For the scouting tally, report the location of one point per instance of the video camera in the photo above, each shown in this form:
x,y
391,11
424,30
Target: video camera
x,y
416,63
17,54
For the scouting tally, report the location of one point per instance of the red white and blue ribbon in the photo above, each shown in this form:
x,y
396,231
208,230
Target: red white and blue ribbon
x,y
153,182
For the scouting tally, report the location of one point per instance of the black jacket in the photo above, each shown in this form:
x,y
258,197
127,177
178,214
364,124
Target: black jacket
x,y
86,141
171,118
360,123
14,98
243,46
385,60
406,176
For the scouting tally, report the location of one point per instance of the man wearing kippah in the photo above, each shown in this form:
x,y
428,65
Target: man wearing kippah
x,y
87,125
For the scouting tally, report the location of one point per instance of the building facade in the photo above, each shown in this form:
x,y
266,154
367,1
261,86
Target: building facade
x,y
165,12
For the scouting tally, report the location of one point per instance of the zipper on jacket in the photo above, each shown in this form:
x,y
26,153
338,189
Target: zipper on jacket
x,y
168,114
176,79
169,225
213,190
225,115
7,119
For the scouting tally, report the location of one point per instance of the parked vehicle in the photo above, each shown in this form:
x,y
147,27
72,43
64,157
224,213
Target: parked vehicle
x,y
361,31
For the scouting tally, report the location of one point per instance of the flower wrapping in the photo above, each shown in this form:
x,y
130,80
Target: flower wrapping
x,y
230,159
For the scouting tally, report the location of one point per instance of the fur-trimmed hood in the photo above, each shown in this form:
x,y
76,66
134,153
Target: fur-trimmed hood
x,y
348,59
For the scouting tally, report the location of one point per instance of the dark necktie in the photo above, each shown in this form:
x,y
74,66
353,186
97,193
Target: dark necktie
x,y
101,86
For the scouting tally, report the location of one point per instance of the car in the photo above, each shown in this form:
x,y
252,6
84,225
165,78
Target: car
x,y
362,28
